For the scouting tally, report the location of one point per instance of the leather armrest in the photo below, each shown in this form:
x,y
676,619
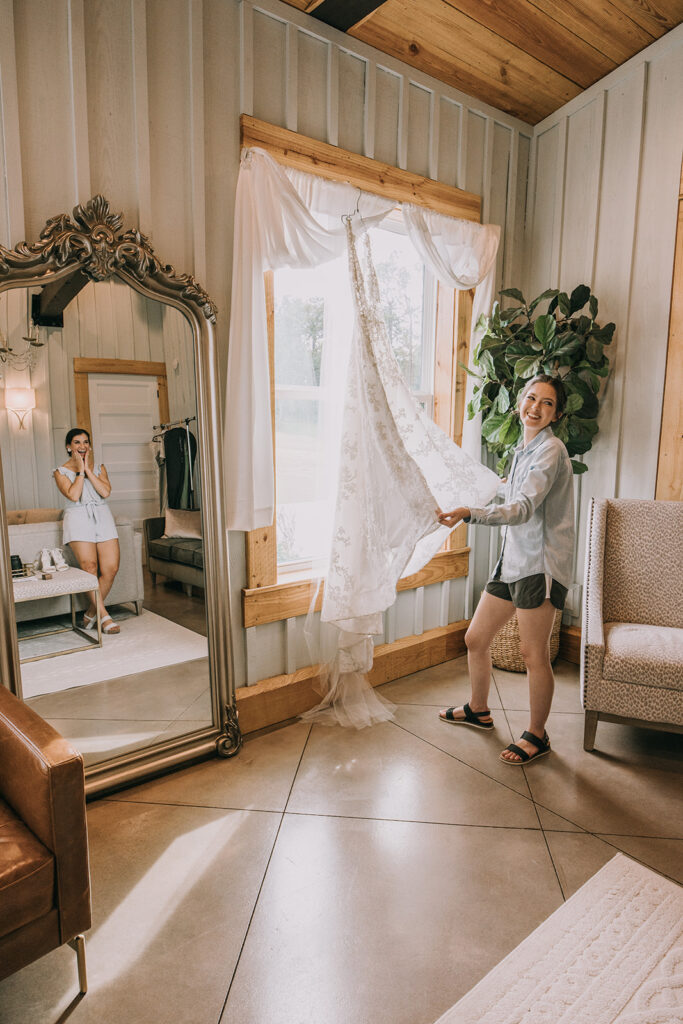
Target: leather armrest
x,y
41,778
154,528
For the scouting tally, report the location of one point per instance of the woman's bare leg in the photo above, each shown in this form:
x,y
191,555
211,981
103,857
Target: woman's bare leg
x,y
492,613
109,557
86,556
535,627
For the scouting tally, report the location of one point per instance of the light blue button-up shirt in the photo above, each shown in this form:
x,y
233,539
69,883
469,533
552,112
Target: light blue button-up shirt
x,y
537,514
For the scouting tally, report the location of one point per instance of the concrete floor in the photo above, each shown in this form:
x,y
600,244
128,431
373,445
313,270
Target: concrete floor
x,y
339,877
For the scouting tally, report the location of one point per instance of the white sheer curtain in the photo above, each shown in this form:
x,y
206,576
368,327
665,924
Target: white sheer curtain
x,y
274,227
462,255
395,465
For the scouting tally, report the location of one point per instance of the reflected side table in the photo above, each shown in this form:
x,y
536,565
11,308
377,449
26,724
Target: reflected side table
x,y
71,582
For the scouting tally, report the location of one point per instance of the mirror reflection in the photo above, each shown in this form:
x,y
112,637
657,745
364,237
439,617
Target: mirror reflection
x,y
102,484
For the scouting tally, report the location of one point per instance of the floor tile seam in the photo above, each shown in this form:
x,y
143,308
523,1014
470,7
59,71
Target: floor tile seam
x,y
637,859
479,771
263,880
409,821
176,803
563,816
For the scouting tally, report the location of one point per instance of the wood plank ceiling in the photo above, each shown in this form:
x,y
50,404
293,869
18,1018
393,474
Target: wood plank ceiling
x,y
527,58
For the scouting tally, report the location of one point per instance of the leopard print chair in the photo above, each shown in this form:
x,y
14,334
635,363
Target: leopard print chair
x,y
632,636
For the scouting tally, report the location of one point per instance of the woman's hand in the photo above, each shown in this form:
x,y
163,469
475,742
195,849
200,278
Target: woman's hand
x,y
78,459
452,518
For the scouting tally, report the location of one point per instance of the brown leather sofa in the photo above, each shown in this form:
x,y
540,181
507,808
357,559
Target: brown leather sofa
x,y
44,876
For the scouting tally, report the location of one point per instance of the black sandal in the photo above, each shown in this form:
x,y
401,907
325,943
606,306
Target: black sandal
x,y
471,717
543,748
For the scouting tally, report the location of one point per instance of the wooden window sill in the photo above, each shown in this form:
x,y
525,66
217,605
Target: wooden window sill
x,y
289,598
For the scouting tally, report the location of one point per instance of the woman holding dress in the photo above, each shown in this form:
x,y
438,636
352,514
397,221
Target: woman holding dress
x,y
533,572
88,525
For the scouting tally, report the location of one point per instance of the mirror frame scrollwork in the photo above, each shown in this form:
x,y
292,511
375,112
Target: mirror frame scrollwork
x,y
94,244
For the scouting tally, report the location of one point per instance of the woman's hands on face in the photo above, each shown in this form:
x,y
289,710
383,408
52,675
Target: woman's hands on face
x,y
452,518
78,459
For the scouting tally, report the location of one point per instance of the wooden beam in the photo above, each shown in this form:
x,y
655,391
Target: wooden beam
x,y
344,14
47,307
283,697
287,600
338,164
138,366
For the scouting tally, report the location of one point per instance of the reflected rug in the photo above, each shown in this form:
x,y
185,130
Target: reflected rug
x,y
145,641
612,954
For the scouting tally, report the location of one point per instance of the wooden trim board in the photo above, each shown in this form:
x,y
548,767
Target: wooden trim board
x,y
283,697
669,485
336,164
287,600
83,367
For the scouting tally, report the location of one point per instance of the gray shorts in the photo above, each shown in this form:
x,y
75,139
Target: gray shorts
x,y
529,592
93,523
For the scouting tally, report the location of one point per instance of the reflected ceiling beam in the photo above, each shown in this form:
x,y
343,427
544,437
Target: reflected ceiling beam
x,y
343,14
47,307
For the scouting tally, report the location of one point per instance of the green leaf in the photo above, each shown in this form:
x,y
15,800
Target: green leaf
x,y
579,298
593,306
486,361
503,400
550,293
570,346
482,322
583,325
501,464
491,426
510,431
510,314
563,303
604,334
578,467
561,430
544,329
594,350
514,293
574,403
527,366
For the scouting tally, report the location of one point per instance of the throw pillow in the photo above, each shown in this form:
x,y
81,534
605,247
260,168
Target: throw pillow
x,y
181,522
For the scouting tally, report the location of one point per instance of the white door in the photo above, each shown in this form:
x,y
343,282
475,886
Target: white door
x,y
124,408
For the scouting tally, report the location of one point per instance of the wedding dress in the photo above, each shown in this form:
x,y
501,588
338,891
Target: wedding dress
x,y
396,467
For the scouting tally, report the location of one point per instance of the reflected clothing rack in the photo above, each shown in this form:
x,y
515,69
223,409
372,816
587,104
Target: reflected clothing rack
x,y
177,464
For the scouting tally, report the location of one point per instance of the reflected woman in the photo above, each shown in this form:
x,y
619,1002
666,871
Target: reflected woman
x,y
88,525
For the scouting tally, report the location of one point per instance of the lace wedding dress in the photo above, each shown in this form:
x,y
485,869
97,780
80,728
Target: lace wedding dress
x,y
396,467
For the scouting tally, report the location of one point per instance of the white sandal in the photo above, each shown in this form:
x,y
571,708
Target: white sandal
x,y
89,621
110,629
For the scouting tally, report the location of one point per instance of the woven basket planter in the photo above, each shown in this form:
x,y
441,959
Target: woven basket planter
x,y
505,650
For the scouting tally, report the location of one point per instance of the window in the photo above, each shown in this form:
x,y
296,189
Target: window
x,y
313,321
429,325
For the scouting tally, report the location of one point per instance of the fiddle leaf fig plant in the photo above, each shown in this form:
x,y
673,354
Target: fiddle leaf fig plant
x,y
565,341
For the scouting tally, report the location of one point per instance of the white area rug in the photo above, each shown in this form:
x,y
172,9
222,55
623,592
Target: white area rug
x,y
612,954
146,641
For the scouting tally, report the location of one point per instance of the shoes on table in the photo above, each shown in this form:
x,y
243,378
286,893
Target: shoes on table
x,y
44,560
60,563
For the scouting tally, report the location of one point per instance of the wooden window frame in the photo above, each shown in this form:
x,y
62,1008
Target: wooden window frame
x,y
267,598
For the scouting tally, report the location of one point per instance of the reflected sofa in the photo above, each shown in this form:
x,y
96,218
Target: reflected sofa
x,y
176,558
30,530
44,874
632,636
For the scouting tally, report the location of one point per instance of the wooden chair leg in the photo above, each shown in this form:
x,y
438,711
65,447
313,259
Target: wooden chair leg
x,y
78,944
589,728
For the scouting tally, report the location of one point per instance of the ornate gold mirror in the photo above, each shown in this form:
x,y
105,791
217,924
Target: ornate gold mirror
x,y
97,334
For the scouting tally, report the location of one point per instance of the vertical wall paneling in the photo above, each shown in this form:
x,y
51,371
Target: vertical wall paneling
x,y
444,600
418,611
269,67
290,640
510,233
449,118
540,238
246,58
462,148
558,212
11,186
356,118
652,272
387,117
475,155
312,86
420,130
79,102
497,182
487,171
403,121
581,178
434,127
332,94
390,624
143,168
197,169
291,77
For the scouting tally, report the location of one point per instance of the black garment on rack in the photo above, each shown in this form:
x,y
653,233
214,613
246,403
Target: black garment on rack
x,y
180,465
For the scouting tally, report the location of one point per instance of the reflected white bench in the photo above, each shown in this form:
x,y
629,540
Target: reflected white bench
x,y
70,582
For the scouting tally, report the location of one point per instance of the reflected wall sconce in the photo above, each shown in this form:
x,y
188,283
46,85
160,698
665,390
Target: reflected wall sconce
x,y
20,401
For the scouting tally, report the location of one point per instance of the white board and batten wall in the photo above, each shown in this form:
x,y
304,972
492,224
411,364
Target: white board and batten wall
x,y
605,173
141,100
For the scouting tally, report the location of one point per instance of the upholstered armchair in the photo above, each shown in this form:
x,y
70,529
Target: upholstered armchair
x,y
632,636
44,875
